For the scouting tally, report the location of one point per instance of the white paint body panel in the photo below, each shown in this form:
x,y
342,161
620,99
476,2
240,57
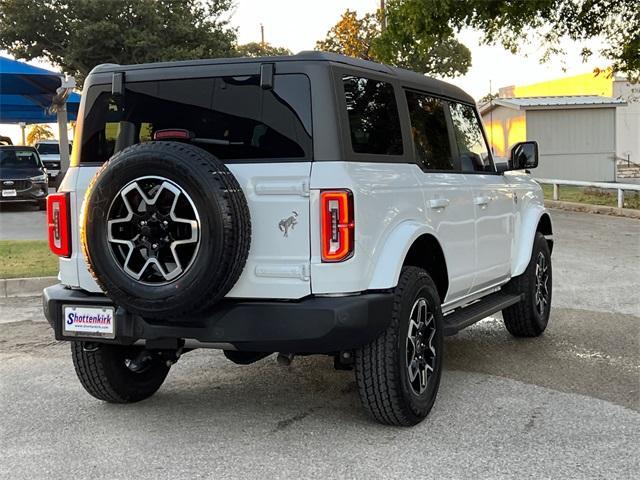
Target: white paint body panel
x,y
484,246
494,216
277,266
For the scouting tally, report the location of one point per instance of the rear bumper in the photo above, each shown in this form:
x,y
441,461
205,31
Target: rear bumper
x,y
312,325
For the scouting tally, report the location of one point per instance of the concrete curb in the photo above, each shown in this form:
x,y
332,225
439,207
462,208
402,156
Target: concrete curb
x,y
587,208
25,287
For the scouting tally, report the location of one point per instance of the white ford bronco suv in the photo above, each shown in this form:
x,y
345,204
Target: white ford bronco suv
x,y
311,204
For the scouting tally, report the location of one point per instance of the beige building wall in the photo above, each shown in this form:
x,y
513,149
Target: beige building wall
x,y
575,144
628,121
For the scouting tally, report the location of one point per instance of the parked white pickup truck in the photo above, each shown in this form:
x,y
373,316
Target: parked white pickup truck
x,y
311,204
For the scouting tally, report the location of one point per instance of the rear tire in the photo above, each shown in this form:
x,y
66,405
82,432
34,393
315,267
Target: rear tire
x,y
385,367
42,205
529,318
103,373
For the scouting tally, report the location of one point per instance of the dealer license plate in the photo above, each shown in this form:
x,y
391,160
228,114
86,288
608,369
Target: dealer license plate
x,y
9,193
82,321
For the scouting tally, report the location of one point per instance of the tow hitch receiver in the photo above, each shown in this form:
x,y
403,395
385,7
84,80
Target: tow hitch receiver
x,y
146,358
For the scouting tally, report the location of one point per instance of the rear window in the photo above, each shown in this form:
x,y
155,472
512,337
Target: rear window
x,y
232,117
374,122
15,158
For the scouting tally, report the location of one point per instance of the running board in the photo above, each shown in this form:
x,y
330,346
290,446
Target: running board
x,y
465,316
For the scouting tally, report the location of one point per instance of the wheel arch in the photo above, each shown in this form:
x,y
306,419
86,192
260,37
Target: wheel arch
x,y
407,245
534,221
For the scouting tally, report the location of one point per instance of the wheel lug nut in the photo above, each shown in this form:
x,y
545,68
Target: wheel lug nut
x,y
155,245
164,222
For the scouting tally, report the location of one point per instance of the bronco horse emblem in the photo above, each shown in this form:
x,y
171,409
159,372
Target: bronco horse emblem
x,y
287,224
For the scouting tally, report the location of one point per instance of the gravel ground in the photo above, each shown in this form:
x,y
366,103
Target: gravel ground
x,y
565,405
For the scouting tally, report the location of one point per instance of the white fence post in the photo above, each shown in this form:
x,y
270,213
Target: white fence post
x,y
620,187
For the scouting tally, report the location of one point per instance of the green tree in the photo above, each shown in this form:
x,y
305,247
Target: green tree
x,y
39,132
487,98
257,49
514,23
79,34
362,38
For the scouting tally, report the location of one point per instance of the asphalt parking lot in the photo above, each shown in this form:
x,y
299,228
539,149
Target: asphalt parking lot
x,y
565,405
23,221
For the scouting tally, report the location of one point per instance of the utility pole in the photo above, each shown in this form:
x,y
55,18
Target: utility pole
x,y
491,117
382,13
262,34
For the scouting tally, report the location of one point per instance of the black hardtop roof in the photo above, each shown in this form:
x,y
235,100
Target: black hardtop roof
x,y
408,77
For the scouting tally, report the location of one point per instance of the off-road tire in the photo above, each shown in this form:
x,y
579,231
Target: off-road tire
x,y
103,373
380,367
522,319
225,229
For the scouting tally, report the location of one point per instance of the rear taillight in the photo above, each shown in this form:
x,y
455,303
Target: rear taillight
x,y
337,228
58,224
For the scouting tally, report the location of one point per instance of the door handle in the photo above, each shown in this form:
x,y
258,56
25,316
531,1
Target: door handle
x,y
482,201
439,203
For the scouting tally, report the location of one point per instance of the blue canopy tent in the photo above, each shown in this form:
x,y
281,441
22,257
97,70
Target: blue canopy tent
x,y
33,108
30,94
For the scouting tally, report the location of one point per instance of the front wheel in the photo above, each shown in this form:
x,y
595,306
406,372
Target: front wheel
x,y
103,371
529,318
398,374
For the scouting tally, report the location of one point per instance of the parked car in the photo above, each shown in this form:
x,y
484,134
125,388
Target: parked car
x,y
311,204
23,177
5,140
49,151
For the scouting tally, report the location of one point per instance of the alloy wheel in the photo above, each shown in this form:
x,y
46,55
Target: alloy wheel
x,y
421,352
153,230
542,284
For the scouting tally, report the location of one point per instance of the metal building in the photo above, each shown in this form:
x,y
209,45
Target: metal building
x,y
576,134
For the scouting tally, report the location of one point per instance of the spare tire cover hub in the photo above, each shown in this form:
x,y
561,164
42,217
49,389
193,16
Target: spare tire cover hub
x,y
153,230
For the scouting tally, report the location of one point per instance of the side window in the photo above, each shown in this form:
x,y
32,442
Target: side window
x,y
374,121
429,130
472,149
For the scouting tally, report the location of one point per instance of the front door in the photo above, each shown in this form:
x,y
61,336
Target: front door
x,y
493,199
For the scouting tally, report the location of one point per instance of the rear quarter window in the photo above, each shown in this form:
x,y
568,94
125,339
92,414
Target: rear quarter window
x,y
374,123
232,117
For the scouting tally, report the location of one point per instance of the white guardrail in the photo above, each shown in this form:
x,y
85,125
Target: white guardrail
x,y
620,187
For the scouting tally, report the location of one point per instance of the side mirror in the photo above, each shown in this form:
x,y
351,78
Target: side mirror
x,y
524,155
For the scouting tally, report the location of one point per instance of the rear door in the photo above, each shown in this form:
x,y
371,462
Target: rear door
x,y
264,137
447,197
493,199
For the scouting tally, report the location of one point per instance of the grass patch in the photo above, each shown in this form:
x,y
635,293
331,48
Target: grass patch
x,y
593,196
27,258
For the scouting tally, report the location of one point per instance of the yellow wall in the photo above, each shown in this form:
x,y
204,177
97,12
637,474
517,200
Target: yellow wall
x,y
585,84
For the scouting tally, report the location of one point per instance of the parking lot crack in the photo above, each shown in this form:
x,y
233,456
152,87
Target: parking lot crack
x,y
287,422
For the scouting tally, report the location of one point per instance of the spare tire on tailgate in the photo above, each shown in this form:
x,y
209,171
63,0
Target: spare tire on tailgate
x,y
166,229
